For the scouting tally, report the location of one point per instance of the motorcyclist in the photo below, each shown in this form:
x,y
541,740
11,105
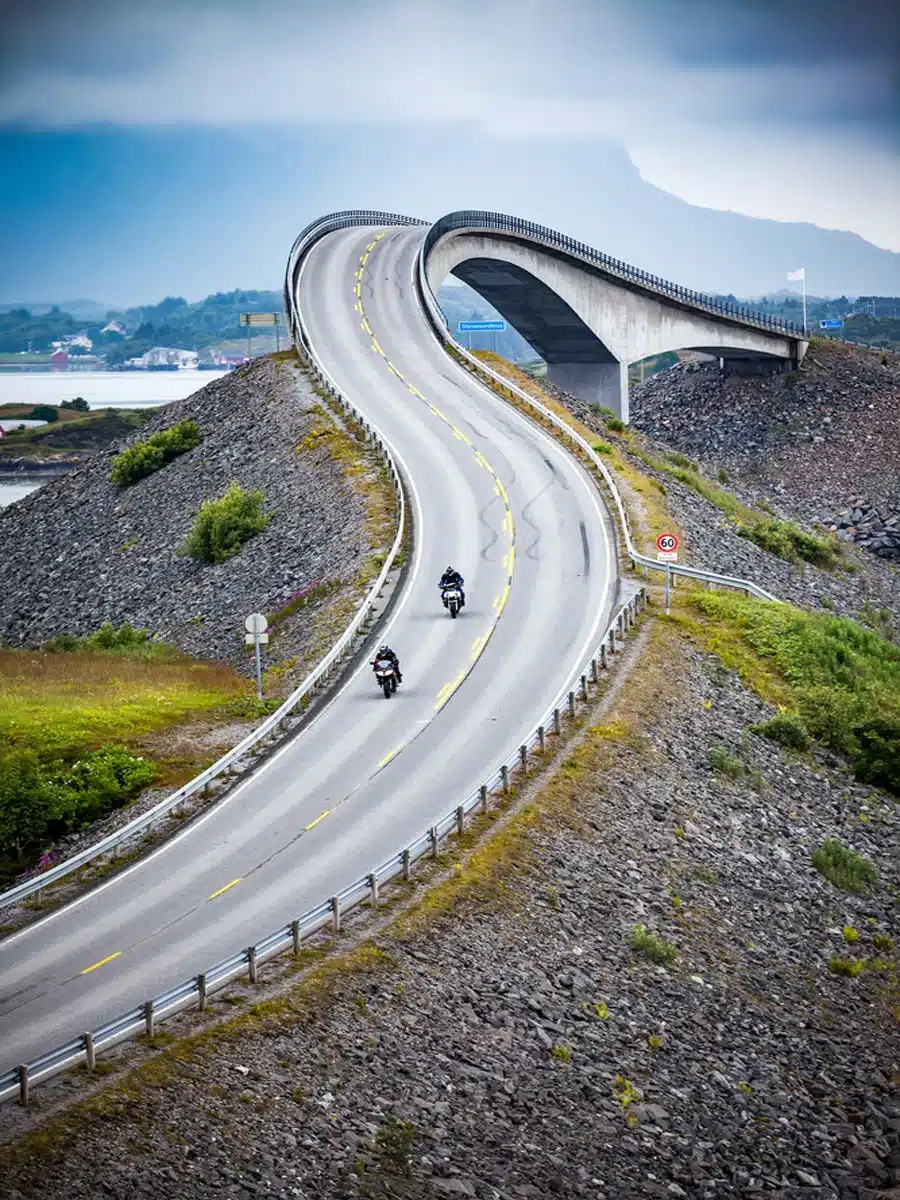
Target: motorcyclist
x,y
386,652
451,578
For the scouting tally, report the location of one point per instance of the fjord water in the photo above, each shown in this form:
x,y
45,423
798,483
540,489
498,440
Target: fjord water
x,y
101,389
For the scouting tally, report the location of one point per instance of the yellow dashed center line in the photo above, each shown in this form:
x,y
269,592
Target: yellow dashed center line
x,y
387,758
508,525
101,963
226,888
320,817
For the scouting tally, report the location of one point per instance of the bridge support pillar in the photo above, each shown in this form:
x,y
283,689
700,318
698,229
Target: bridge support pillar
x,y
604,385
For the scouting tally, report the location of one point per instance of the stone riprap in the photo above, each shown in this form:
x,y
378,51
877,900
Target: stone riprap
x,y
81,551
823,443
518,1047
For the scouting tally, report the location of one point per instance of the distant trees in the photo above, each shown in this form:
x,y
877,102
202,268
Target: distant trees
x,y
79,404
43,412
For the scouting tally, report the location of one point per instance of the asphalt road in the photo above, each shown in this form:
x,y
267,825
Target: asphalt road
x,y
492,495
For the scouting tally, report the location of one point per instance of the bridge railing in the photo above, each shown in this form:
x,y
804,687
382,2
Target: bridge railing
x,y
479,221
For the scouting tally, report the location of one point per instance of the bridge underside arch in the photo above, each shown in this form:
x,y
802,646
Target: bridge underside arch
x,y
587,326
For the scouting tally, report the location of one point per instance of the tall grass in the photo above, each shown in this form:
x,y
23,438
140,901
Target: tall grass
x,y
840,677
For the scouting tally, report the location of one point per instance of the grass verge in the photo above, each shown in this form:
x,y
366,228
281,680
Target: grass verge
x,y
841,679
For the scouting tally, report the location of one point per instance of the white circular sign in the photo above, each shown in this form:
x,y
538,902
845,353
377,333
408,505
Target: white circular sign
x,y
667,542
256,623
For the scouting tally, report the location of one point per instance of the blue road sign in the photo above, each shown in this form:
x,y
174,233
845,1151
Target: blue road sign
x,y
480,326
831,324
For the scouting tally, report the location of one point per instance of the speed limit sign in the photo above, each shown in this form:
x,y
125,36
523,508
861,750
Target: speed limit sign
x,y
666,543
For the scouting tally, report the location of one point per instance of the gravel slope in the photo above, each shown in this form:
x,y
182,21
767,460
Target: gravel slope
x,y
81,551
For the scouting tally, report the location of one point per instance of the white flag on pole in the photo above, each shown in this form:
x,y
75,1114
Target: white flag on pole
x,y
800,273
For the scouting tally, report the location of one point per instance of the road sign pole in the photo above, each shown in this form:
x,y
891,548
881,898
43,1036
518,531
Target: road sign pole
x,y
668,598
277,337
259,665
248,343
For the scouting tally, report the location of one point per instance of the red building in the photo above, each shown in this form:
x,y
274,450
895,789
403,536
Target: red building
x,y
59,358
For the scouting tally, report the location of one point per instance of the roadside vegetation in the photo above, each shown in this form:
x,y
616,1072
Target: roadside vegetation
x,y
834,679
72,720
73,435
224,525
153,453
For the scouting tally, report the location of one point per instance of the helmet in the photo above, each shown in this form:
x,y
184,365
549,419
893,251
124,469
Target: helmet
x,y
384,649
449,571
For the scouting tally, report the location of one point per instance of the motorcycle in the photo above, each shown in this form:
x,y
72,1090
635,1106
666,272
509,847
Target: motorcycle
x,y
386,676
452,598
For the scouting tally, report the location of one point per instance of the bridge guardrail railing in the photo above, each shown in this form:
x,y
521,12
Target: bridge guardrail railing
x,y
487,374
478,221
322,672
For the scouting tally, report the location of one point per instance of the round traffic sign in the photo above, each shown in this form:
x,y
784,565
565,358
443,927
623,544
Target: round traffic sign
x,y
256,623
667,542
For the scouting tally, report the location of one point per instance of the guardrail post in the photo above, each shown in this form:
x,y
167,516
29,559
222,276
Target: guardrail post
x,y
556,725
23,1084
295,936
148,1018
335,915
373,889
504,777
483,796
90,1057
542,738
612,641
460,819
201,991
523,758
571,704
603,654
595,675
252,968
584,691
433,837
406,864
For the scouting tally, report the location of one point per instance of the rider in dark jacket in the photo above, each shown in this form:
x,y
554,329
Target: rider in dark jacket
x,y
388,653
452,578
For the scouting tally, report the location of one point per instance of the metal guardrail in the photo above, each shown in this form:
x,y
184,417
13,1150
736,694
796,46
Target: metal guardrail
x,y
332,660
439,323
195,992
477,221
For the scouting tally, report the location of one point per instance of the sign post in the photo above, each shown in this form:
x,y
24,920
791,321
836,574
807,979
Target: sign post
x,y
256,626
667,552
253,319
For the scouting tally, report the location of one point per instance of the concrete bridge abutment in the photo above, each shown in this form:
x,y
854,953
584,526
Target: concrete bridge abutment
x,y
604,385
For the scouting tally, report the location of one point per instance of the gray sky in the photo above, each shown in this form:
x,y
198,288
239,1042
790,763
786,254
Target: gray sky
x,y
785,110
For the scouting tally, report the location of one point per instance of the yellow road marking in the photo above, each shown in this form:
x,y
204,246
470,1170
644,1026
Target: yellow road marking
x,y
364,258
359,273
483,462
387,758
226,888
370,247
358,289
415,391
320,817
458,433
500,602
437,412
394,370
379,236
101,963
367,327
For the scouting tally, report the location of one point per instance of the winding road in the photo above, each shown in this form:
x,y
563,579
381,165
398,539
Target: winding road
x,y
489,493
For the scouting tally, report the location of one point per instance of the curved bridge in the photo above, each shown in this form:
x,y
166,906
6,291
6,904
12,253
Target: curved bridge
x,y
589,315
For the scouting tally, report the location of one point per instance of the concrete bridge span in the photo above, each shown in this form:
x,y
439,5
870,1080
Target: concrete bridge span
x,y
588,315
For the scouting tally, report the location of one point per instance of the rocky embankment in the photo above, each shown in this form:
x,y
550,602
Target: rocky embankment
x,y
82,551
516,1046
822,444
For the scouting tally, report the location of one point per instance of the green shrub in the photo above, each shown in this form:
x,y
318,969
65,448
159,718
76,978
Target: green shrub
x,y
787,729
126,642
722,475
722,760
96,784
79,404
851,967
24,802
652,945
153,453
788,541
224,525
847,870
44,412
602,447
